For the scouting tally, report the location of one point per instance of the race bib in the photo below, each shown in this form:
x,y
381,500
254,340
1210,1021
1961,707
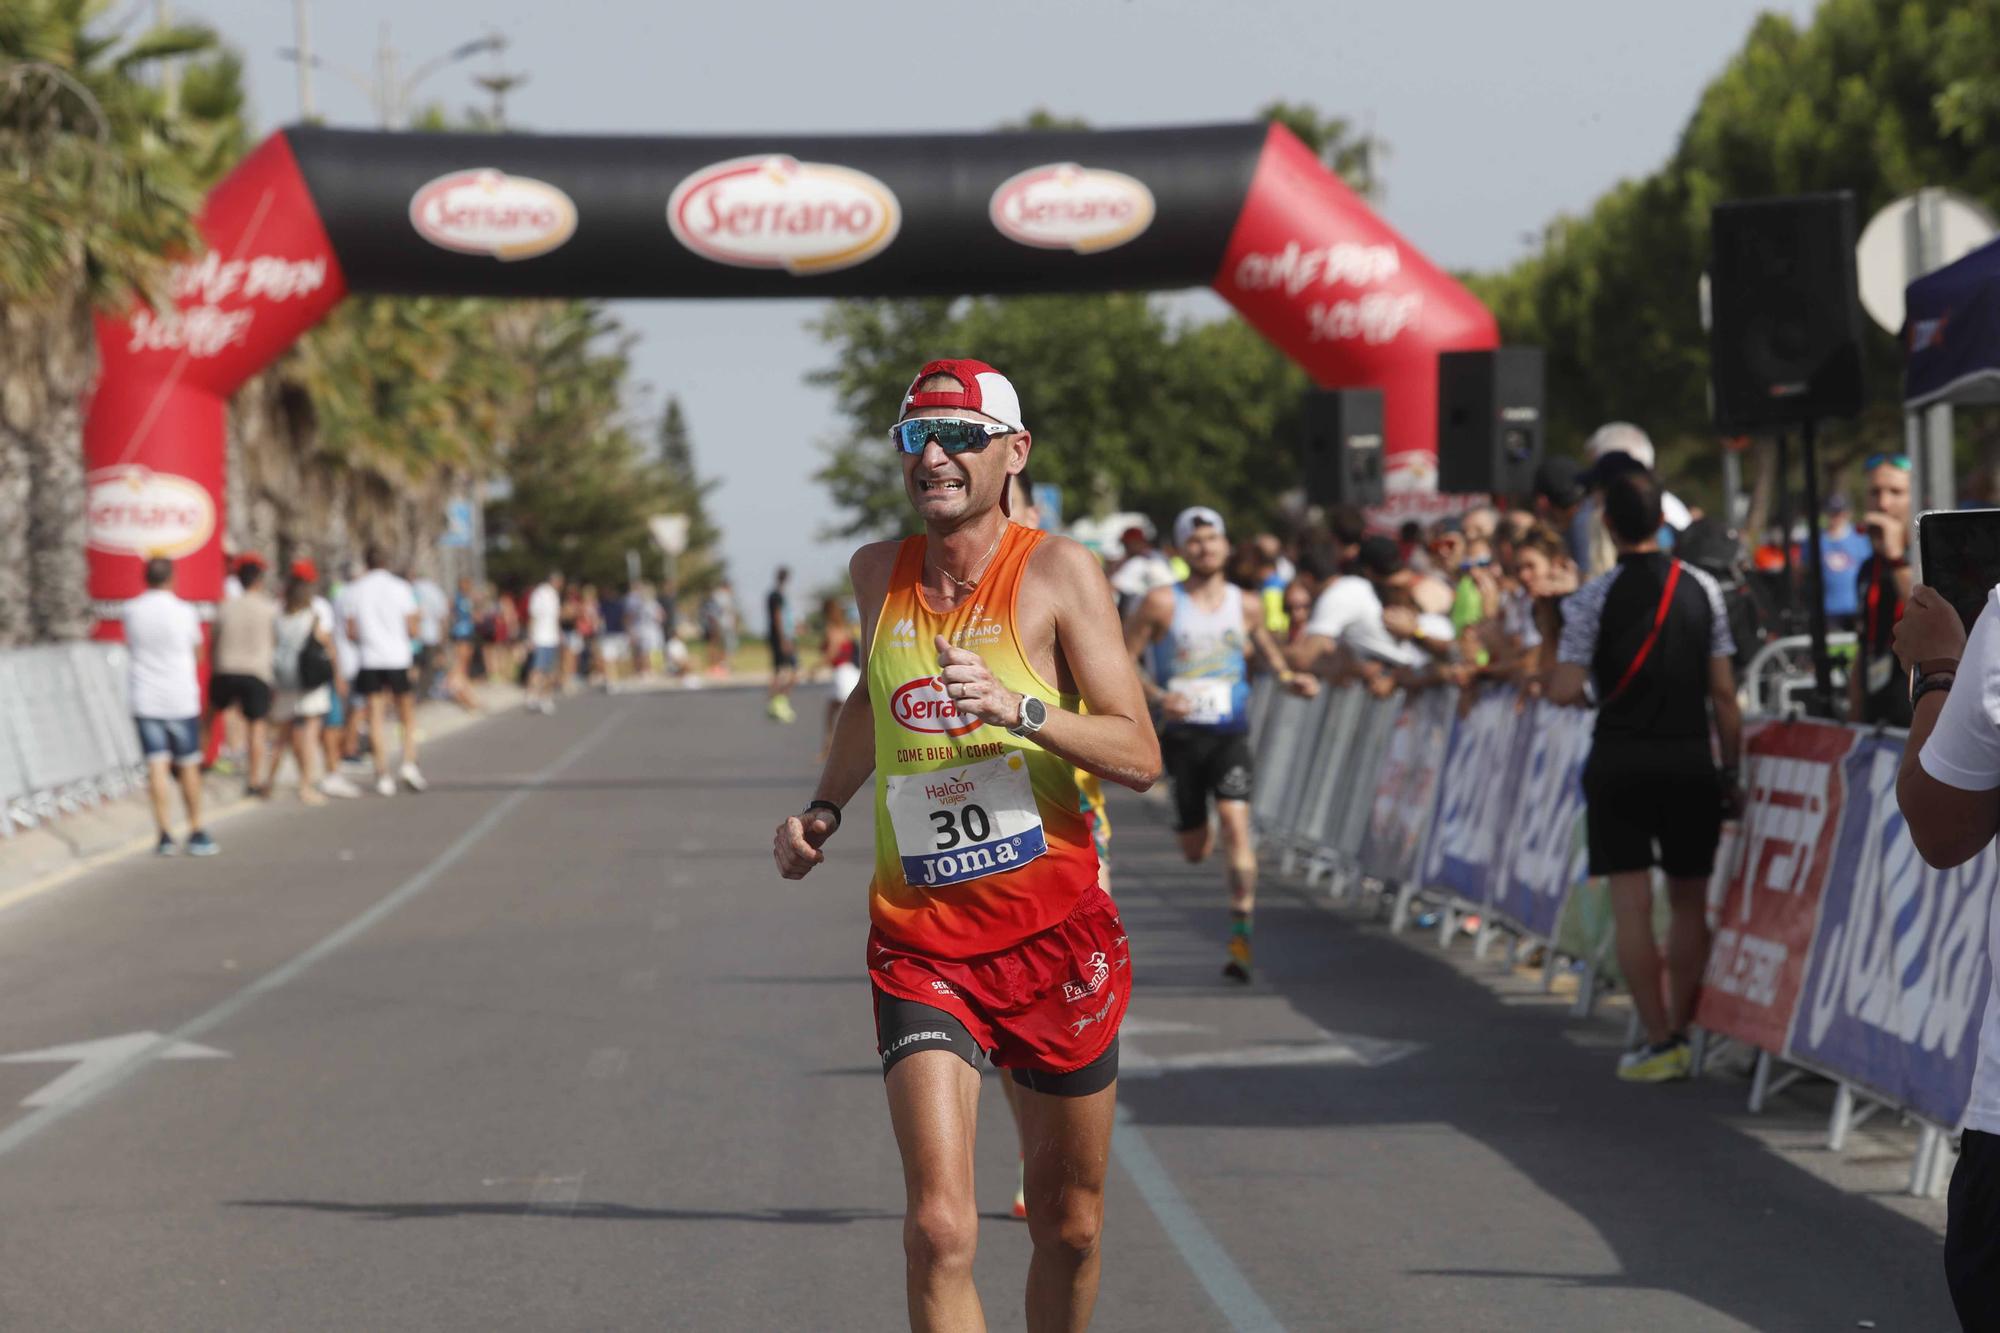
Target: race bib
x,y
1213,698
1881,670
955,825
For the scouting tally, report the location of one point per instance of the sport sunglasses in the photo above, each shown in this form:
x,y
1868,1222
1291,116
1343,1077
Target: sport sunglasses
x,y
953,434
1893,460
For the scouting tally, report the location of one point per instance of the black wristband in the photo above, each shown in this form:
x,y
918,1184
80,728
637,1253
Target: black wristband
x,y
1938,682
830,808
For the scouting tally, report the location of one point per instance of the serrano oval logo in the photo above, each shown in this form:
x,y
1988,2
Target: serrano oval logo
x,y
779,212
130,510
483,211
1063,206
922,705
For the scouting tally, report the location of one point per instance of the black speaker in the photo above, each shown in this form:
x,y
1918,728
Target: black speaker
x,y
1343,453
1785,314
1489,421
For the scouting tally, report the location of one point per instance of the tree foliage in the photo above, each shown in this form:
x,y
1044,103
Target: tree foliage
x,y
1880,97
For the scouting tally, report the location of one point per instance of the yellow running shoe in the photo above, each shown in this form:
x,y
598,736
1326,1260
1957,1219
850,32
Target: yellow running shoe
x,y
1652,1065
1238,966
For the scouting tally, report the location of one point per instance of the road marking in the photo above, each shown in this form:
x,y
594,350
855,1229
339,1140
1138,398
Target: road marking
x,y
93,1058
1329,1049
39,1119
1241,1306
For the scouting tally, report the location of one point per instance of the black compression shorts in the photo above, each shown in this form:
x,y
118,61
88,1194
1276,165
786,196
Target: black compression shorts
x,y
1202,763
904,1027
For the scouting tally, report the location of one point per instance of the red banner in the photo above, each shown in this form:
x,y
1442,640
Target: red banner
x,y
153,438
1313,269
1792,774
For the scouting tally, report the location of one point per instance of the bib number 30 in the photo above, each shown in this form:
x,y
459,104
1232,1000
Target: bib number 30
x,y
963,824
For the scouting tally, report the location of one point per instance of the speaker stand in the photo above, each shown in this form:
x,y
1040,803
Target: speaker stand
x,y
1819,700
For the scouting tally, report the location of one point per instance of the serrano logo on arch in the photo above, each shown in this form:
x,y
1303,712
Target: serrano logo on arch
x,y
1063,206
778,212
131,510
922,705
484,211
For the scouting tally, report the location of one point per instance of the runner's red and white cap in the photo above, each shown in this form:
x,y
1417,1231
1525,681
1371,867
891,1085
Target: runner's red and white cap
x,y
981,389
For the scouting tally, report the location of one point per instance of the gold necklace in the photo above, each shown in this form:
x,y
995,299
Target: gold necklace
x,y
967,585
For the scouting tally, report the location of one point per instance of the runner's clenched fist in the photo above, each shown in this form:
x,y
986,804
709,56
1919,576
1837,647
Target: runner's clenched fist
x,y
796,847
972,688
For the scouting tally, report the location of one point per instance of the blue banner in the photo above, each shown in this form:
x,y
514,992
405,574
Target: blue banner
x,y
1544,858
1897,983
1473,808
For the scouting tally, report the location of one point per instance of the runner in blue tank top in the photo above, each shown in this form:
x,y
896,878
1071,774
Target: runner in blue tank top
x,y
1192,638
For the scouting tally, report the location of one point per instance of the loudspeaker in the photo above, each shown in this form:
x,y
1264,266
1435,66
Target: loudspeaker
x,y
1785,315
1489,421
1343,453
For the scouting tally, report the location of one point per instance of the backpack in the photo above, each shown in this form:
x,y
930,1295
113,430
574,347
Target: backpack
x,y
314,666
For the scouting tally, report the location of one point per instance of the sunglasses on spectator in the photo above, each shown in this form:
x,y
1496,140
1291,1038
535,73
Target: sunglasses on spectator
x,y
953,434
1901,461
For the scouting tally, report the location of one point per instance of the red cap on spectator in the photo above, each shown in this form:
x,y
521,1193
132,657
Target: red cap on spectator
x,y
305,571
249,558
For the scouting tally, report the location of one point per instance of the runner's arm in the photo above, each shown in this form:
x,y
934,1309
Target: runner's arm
x,y
1143,628
1273,657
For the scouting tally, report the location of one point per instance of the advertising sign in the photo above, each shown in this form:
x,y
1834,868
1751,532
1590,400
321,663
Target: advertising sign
x,y
1899,975
1543,858
1795,784
1406,789
1472,806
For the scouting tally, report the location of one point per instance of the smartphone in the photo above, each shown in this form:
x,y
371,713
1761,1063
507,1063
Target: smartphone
x,y
1958,554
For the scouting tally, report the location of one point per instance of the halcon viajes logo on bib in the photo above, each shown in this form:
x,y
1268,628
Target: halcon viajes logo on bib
x,y
922,705
1063,206
131,510
483,211
779,212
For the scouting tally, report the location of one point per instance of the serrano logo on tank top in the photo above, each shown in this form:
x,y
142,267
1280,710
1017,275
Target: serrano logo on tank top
x,y
922,705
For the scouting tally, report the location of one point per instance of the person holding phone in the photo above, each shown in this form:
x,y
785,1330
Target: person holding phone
x,y
1876,690
1949,791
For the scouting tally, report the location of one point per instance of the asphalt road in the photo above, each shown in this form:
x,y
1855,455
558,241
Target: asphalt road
x,y
552,1047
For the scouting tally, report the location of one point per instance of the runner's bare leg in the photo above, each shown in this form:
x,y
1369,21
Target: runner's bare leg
x,y
934,1106
1239,852
1196,844
1069,1151
1687,947
1638,953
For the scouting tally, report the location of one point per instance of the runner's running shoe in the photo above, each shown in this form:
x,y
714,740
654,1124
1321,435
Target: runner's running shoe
x,y
1238,966
1657,1064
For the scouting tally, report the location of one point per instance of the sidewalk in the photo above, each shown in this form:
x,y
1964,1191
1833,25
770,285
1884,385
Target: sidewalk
x,y
34,861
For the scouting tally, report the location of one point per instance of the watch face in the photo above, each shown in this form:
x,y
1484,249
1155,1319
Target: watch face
x,y
1035,710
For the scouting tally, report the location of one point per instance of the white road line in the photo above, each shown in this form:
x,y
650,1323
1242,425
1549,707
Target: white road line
x,y
1241,1306
28,1126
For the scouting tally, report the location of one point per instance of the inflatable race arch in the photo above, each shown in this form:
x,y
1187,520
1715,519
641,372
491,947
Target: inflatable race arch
x,y
313,214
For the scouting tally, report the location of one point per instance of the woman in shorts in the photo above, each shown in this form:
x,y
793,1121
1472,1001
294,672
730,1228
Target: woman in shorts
x,y
296,712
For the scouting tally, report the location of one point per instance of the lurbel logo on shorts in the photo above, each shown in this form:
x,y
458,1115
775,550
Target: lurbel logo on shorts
x,y
922,705
778,212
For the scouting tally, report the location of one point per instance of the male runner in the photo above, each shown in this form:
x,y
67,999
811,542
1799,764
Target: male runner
x,y
782,629
990,933
1193,635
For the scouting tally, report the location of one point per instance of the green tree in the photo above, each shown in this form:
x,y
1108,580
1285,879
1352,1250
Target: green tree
x,y
701,566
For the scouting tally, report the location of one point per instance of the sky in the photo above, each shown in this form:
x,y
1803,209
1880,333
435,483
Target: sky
x,y
1498,118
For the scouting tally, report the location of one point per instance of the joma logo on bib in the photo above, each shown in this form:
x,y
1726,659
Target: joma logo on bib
x,y
922,705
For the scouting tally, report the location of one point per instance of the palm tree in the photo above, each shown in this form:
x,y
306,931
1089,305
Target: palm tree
x,y
103,174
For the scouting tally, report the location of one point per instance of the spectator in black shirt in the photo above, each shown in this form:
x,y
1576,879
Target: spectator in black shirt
x,y
1877,691
1650,641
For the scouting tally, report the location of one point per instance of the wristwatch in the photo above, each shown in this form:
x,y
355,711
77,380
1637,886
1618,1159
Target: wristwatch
x,y
1034,716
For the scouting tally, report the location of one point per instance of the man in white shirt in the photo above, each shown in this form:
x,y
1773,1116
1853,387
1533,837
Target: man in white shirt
x,y
381,614
1347,616
163,637
544,643
1949,793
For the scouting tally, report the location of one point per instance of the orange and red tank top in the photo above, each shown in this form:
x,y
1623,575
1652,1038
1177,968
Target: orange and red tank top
x,y
979,838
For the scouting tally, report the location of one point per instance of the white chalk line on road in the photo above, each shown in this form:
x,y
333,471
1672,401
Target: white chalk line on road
x,y
1238,1301
28,1126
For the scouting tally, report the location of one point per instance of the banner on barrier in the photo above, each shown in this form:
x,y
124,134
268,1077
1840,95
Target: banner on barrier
x,y
1795,784
1898,978
1407,787
1476,790
1544,857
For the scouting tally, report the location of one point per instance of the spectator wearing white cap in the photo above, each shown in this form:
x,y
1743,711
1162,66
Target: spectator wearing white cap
x,y
1189,640
1587,531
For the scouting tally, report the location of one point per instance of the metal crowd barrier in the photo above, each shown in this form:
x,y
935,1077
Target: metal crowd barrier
x,y
66,735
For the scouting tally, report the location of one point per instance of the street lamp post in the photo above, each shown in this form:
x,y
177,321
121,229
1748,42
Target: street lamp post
x,y
386,93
